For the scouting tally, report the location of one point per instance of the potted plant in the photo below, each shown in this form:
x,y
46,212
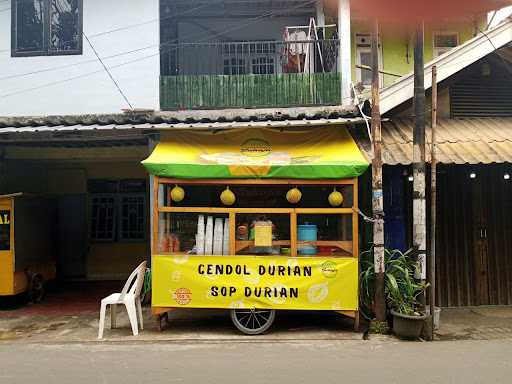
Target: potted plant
x,y
401,291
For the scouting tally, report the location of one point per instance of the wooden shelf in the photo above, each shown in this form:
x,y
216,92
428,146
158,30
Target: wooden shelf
x,y
299,211
242,244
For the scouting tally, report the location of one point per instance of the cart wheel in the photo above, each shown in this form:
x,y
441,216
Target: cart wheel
x,y
253,321
36,291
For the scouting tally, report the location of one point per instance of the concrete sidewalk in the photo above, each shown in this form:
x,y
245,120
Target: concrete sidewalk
x,y
184,325
71,316
476,323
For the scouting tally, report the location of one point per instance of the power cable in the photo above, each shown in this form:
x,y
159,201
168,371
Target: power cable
x,y
253,20
108,72
170,42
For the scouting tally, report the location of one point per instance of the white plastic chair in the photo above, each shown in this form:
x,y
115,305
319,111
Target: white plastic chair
x,y
130,298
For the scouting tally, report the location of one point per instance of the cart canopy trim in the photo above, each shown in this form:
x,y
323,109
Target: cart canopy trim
x,y
322,153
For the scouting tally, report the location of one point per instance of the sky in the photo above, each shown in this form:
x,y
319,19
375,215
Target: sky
x,y
501,15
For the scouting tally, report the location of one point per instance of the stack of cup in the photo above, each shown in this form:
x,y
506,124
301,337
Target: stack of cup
x,y
200,235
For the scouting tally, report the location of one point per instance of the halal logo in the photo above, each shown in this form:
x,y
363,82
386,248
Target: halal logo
x,y
255,148
182,296
329,269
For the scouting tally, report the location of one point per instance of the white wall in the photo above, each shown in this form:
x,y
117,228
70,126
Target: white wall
x,y
94,93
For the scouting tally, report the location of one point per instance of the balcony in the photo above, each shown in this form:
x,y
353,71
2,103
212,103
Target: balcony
x,y
257,74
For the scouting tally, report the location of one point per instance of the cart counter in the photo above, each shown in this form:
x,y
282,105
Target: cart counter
x,y
301,283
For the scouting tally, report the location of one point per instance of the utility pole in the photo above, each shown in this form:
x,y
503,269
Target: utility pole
x,y
433,200
419,230
377,197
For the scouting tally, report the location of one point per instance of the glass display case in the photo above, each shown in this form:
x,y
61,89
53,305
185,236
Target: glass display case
x,y
255,217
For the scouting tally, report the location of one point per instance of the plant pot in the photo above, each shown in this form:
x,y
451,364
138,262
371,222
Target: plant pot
x,y
407,327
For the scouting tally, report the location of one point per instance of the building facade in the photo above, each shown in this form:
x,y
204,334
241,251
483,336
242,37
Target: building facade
x,y
87,87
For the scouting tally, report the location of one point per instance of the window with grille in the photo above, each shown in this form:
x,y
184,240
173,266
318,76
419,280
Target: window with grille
x,y
46,27
263,66
103,217
118,210
234,66
257,58
133,217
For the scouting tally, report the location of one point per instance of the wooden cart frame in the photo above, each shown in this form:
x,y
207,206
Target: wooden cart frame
x,y
235,245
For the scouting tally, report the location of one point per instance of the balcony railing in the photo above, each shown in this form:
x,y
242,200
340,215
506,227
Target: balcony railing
x,y
250,74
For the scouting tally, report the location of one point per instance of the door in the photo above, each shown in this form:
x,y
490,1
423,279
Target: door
x,y
72,237
479,179
497,231
474,236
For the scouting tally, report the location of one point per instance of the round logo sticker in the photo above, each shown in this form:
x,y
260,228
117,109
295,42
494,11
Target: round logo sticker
x,y
182,296
329,269
255,148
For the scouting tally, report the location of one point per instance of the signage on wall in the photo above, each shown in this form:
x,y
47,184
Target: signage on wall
x,y
5,230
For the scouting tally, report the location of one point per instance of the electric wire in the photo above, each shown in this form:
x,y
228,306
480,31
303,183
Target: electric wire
x,y
108,72
170,42
240,26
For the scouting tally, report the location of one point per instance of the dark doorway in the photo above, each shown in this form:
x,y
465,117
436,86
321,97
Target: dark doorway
x,y
72,237
474,235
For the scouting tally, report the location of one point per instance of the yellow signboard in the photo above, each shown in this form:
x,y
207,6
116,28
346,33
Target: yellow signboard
x,y
308,283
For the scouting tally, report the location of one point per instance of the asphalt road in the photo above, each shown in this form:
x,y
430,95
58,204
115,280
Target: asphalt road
x,y
259,362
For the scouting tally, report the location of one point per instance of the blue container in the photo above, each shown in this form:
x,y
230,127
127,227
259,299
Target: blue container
x,y
307,232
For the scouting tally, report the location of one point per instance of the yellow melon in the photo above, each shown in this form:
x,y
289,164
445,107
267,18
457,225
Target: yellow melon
x,y
227,197
335,198
294,195
177,194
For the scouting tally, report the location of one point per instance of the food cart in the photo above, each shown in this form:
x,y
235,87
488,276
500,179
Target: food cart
x,y
27,257
255,220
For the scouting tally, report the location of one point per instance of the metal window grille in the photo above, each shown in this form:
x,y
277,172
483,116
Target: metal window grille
x,y
46,27
103,217
132,217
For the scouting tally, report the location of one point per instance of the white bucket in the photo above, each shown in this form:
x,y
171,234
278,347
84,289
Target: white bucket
x,y
437,316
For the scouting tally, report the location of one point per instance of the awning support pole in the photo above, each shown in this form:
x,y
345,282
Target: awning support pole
x,y
419,230
377,197
433,200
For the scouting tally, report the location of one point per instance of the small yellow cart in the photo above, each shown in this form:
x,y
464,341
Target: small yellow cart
x,y
244,220
27,258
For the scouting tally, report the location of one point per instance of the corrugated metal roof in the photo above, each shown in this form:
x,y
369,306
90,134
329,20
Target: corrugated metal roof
x,y
181,119
459,141
313,122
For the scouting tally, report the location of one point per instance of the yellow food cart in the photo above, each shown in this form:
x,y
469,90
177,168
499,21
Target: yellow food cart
x,y
254,221
27,257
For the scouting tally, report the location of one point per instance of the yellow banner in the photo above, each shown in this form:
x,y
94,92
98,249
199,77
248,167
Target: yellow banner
x,y
311,283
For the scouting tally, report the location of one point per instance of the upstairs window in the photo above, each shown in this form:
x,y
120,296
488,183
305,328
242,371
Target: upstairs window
x,y
46,27
444,42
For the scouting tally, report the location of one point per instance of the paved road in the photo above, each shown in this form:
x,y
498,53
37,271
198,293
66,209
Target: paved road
x,y
258,362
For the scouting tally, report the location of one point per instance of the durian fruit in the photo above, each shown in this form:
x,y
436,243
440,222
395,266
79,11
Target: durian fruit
x,y
294,195
335,198
227,197
177,194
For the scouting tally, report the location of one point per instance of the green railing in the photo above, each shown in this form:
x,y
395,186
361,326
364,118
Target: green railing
x,y
249,91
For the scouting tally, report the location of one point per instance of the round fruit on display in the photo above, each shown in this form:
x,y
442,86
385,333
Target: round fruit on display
x,y
177,194
335,198
227,197
294,195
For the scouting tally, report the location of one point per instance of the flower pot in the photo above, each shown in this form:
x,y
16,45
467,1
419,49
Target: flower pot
x,y
407,327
